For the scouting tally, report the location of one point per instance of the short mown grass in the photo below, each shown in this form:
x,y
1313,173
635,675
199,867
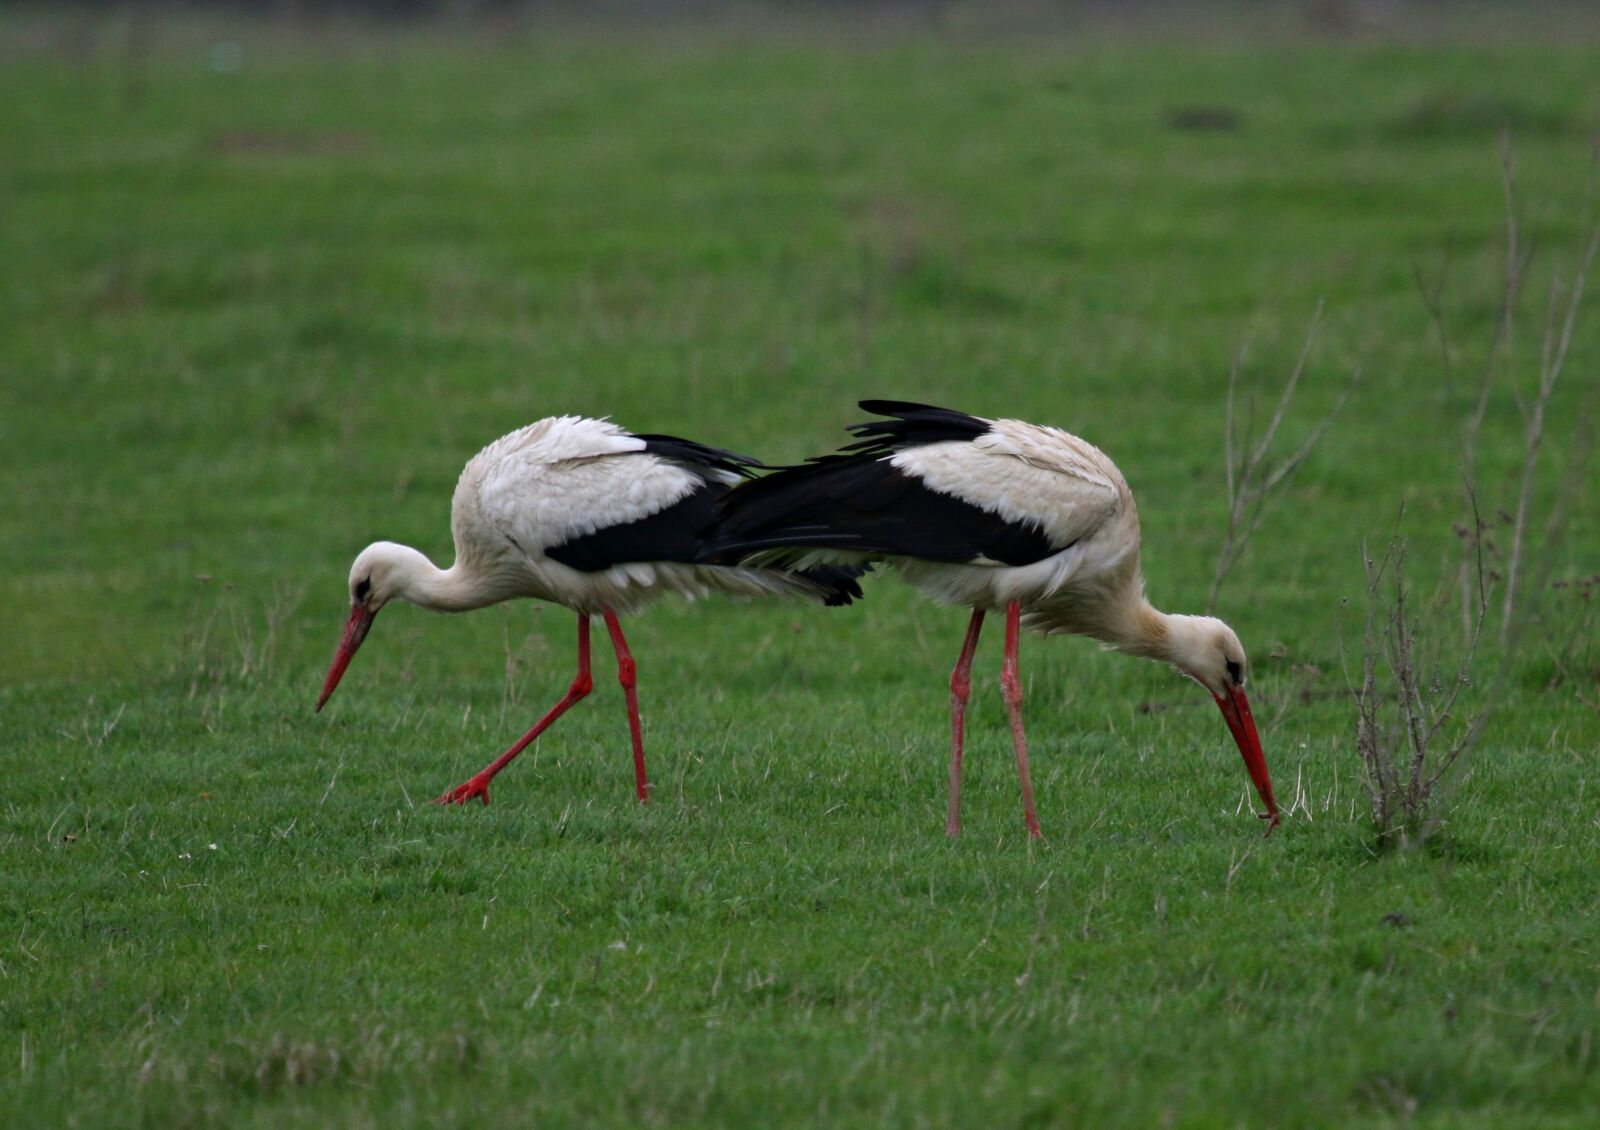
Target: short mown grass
x,y
251,320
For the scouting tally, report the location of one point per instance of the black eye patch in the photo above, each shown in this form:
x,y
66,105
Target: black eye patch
x,y
1236,673
363,587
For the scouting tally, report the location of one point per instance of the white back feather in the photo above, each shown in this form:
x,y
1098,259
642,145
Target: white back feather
x,y
1026,474
565,477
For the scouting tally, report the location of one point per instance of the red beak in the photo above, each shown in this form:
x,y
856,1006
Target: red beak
x,y
1235,707
355,630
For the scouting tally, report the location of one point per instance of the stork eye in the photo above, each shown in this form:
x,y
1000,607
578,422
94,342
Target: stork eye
x,y
1236,673
363,588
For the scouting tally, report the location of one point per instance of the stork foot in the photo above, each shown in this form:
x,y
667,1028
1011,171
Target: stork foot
x,y
477,787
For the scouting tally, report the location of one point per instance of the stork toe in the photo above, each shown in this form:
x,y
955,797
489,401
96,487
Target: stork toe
x,y
476,787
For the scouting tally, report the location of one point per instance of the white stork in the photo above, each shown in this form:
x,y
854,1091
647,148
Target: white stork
x,y
581,513
993,515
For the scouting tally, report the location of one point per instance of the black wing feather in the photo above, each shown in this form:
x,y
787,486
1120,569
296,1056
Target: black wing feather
x,y
673,534
699,456
863,504
856,501
838,581
678,532
911,425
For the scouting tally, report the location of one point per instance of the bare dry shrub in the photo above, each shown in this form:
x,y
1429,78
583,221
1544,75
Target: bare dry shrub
x,y
1527,567
1411,733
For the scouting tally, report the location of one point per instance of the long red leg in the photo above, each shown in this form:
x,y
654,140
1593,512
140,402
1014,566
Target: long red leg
x,y
627,675
581,685
960,690
1011,688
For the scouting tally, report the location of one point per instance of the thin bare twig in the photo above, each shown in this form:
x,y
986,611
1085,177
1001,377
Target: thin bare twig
x,y
1250,476
1442,713
1552,360
1499,348
1433,299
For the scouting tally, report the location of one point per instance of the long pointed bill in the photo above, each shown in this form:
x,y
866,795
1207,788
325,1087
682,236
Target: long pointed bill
x,y
1235,707
355,630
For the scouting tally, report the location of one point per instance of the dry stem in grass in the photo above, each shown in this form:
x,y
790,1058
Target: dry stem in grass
x,y
1407,736
1407,733
1552,359
1252,476
1572,647
1560,320
1517,257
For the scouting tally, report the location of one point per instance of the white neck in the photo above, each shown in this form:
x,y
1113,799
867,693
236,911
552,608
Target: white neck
x,y
1189,643
456,589
1135,627
1128,623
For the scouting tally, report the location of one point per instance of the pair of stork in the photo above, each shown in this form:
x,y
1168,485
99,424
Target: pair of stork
x,y
994,515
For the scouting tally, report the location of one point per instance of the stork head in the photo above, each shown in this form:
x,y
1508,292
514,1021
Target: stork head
x,y
380,573
1208,651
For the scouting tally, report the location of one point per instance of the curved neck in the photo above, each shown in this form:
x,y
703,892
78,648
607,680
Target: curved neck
x,y
456,589
1136,627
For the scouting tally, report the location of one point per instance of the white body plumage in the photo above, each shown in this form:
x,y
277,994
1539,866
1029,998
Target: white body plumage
x,y
1052,481
563,478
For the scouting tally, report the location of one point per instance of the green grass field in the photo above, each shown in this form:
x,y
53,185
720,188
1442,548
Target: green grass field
x,y
253,318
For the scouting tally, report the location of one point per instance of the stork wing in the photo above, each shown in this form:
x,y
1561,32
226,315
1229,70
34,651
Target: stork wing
x,y
597,492
932,484
1026,474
